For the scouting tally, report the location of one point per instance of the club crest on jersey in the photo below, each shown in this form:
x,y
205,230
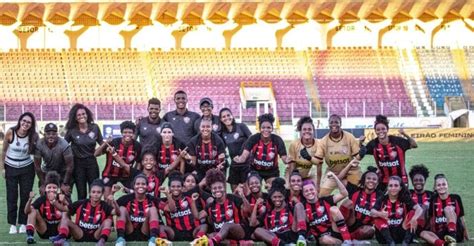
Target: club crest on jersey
x,y
393,154
58,214
284,219
144,128
236,135
184,204
130,158
321,209
229,212
400,211
271,155
215,127
97,217
91,135
151,185
186,120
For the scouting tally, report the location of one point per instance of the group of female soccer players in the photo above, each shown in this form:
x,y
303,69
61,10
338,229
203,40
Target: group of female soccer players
x,y
195,204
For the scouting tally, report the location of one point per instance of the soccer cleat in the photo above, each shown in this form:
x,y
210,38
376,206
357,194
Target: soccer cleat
x,y
30,240
450,240
151,241
61,242
120,241
359,242
301,241
55,238
201,241
346,242
163,242
13,229
22,229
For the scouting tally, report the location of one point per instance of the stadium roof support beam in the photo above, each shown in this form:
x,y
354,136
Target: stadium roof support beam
x,y
340,8
366,8
428,29
467,9
375,30
24,9
393,8
234,10
157,9
131,10
183,10
105,9
328,30
48,11
77,9
443,8
209,9
287,9
261,10
418,8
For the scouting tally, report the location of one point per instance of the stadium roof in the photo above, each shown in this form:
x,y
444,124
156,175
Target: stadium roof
x,y
145,12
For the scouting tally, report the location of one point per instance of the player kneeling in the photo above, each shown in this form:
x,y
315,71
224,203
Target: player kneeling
x,y
281,224
93,218
45,213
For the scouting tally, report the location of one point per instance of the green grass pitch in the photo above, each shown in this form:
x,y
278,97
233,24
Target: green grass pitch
x,y
453,159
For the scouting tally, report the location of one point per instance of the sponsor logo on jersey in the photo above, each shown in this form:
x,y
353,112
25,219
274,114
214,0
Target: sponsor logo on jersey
x,y
91,135
319,221
88,226
180,213
186,120
395,221
361,210
220,225
389,163
441,220
263,163
137,219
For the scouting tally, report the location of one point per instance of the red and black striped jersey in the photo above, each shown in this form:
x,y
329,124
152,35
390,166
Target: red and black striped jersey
x,y
253,200
153,188
182,219
390,158
226,212
207,154
422,199
318,215
290,200
48,211
265,155
130,154
363,203
166,156
88,217
203,196
137,210
438,220
397,210
278,221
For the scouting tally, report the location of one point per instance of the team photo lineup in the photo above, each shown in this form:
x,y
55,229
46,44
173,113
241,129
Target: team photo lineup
x,y
198,155
206,123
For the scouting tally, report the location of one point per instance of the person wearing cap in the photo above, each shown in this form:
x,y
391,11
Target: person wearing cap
x,y
54,154
181,118
149,128
206,106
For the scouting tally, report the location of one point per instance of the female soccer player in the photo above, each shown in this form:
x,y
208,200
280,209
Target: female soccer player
x,y
223,214
254,183
93,218
295,193
389,152
180,211
83,135
322,212
121,151
418,175
264,148
169,152
302,150
446,216
337,148
45,213
17,167
207,151
234,135
395,214
356,210
281,224
138,220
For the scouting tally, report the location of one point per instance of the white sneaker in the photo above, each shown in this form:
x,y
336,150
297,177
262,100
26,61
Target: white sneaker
x,y
22,229
13,229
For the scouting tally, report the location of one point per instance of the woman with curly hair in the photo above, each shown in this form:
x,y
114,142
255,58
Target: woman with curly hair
x,y
302,151
356,209
264,148
83,135
222,215
389,152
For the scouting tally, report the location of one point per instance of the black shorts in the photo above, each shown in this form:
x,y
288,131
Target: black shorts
x,y
87,236
267,174
183,236
51,231
288,236
397,233
137,235
357,224
113,180
238,174
459,232
249,230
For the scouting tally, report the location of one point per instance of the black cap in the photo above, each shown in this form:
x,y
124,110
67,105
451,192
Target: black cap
x,y
50,127
205,100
